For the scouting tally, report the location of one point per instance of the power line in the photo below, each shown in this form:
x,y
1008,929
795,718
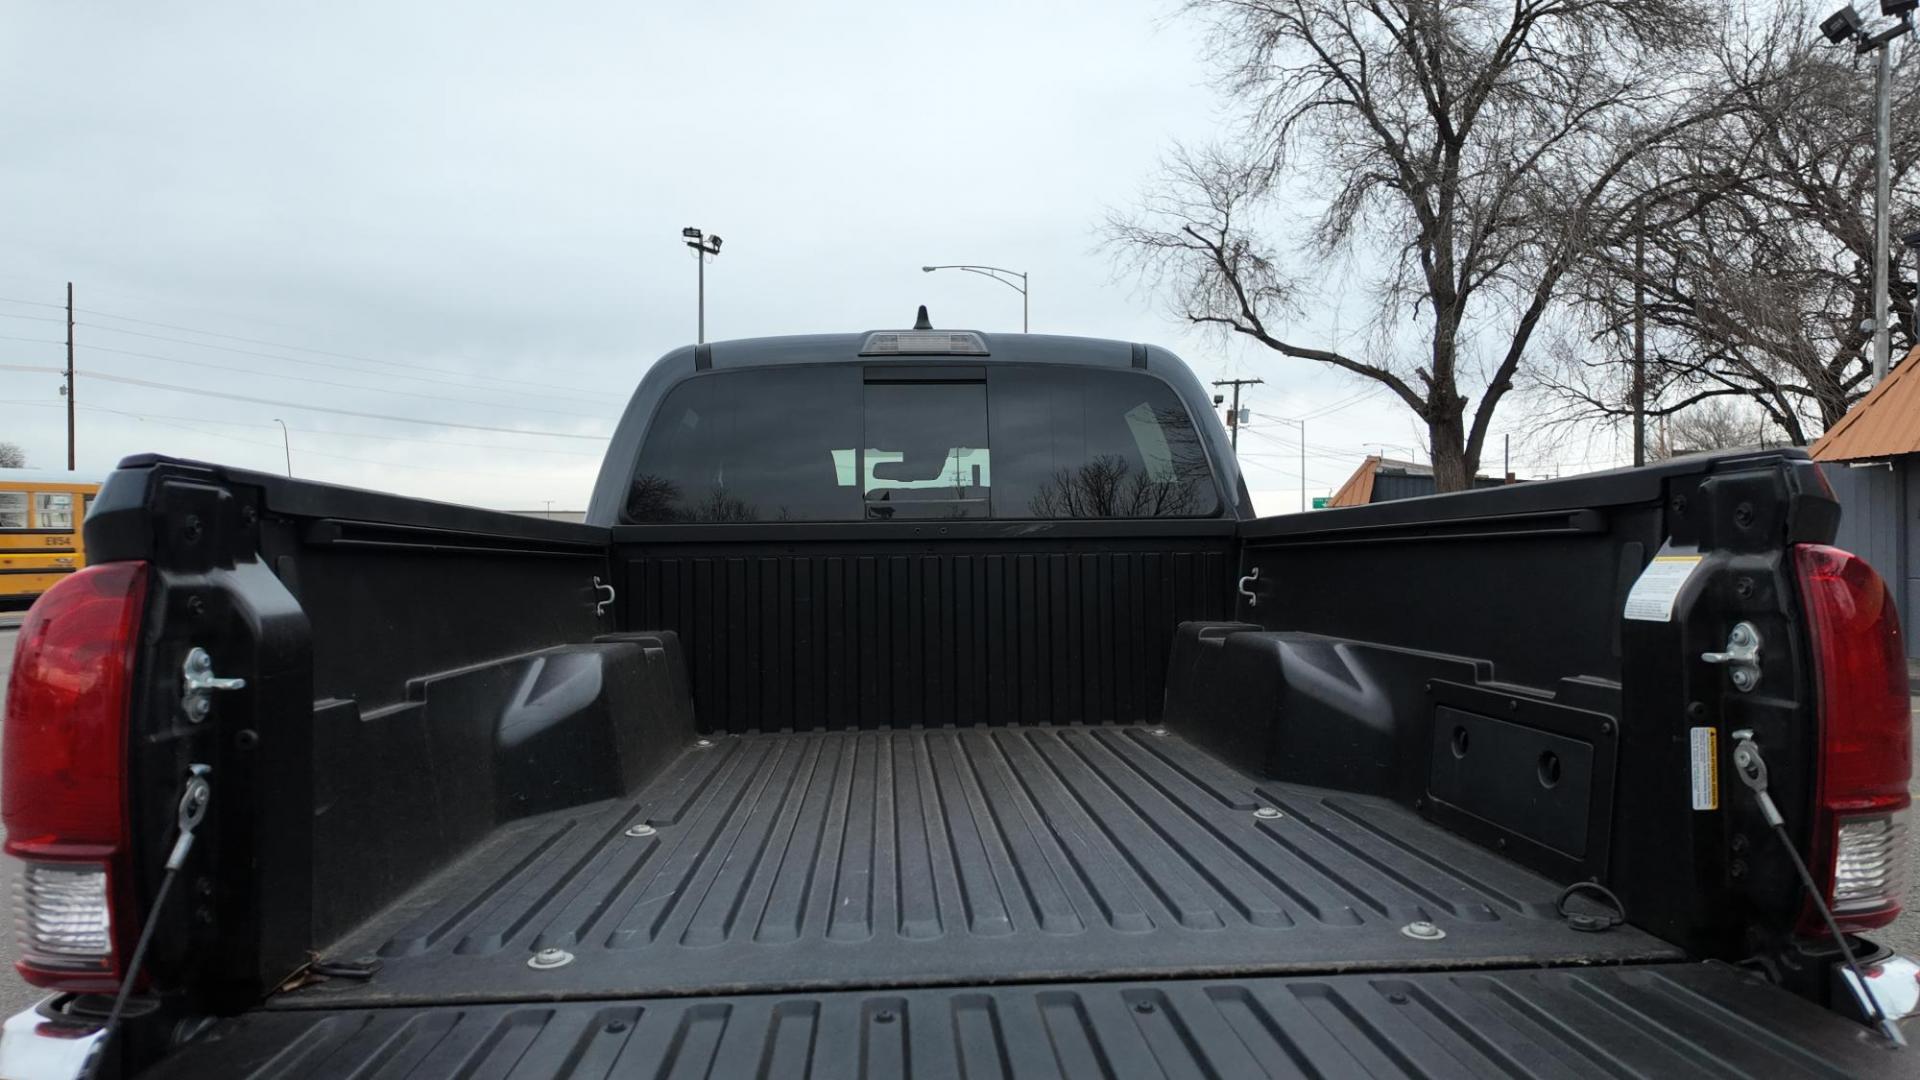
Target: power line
x,y
301,405
324,352
304,453
467,381
33,303
330,382
329,434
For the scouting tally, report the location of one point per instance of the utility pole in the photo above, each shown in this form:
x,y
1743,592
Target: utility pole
x,y
70,456
1882,123
703,246
1640,342
1233,417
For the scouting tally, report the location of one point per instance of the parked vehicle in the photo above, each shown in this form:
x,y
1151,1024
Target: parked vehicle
x,y
40,540
932,703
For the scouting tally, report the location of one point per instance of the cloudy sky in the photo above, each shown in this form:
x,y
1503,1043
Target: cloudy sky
x,y
441,249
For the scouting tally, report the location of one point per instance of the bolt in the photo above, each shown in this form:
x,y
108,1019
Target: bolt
x,y
884,1016
1743,587
196,607
547,959
1737,868
703,743
1743,515
1419,804
1397,998
1744,679
615,1027
1143,1006
1606,727
190,528
248,514
1159,732
1429,686
1679,504
1267,813
246,738
1422,930
197,708
1697,710
1739,842
1500,842
642,829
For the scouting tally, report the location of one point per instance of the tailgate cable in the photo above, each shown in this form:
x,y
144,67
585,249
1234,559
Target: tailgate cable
x,y
193,808
1753,773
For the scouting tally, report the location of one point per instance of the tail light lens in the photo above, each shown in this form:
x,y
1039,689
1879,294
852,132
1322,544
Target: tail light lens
x,y
1866,736
63,788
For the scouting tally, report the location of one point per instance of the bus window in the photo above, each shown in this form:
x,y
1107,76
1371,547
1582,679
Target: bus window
x,y
13,509
53,509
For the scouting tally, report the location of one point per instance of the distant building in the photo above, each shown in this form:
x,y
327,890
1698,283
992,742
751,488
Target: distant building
x,y
1872,460
1381,479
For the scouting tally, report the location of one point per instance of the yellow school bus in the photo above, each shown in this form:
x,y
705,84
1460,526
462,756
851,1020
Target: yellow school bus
x,y
40,515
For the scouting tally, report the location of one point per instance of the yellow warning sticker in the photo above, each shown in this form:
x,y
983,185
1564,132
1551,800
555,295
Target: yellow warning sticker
x,y
1704,743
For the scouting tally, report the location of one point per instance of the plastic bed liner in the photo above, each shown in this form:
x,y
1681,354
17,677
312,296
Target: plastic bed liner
x,y
1660,1020
833,860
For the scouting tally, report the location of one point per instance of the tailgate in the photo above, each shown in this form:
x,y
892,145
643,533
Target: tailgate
x,y
1658,1020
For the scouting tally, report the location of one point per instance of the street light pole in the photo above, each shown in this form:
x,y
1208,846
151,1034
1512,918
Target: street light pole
x,y
286,443
994,272
703,246
1841,27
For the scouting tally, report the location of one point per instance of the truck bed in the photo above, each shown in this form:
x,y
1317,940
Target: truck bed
x,y
922,857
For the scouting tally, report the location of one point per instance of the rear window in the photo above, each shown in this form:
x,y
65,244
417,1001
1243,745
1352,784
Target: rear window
x,y
843,443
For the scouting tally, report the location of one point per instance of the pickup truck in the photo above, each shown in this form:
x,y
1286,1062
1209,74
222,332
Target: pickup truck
x,y
931,703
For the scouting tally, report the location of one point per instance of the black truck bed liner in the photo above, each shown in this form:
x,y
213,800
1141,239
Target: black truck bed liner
x,y
1658,1020
827,861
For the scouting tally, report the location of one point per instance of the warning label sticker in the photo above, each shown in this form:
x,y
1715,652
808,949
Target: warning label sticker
x,y
1704,744
1651,598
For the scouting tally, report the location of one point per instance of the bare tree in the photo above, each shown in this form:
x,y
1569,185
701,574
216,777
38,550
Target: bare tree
x,y
12,456
1714,424
1753,271
1470,146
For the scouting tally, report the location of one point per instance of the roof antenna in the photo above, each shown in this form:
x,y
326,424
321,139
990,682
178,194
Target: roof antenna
x,y
920,321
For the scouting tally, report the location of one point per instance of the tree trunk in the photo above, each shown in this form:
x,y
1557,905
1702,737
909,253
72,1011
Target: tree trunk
x,y
1451,469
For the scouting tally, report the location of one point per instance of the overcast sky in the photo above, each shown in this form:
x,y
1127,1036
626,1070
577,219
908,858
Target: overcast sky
x,y
473,219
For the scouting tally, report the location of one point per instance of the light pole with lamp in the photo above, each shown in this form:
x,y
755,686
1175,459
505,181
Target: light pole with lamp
x,y
703,246
1841,27
994,272
286,443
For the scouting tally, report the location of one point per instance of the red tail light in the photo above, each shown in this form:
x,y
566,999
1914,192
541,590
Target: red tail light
x,y
1866,737
63,791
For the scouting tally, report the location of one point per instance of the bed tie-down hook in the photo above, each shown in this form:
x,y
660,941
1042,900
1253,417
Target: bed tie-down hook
x,y
600,607
1246,587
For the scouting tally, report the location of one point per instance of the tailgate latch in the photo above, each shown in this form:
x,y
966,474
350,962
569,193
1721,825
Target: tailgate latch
x,y
1742,656
198,682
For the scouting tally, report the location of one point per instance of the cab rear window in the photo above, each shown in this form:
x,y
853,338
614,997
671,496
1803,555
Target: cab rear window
x,y
845,443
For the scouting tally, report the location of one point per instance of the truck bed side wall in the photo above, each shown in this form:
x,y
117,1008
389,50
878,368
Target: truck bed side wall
x,y
1468,656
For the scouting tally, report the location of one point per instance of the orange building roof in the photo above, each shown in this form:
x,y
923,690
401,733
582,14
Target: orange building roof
x,y
1358,490
1883,424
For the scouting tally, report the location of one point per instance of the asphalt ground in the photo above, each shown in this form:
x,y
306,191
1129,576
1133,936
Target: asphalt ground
x,y
1903,936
